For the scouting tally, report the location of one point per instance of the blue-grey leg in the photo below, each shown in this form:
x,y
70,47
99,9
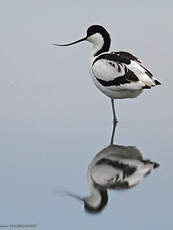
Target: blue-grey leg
x,y
113,132
113,109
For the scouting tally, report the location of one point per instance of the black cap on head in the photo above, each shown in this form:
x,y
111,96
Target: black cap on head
x,y
96,29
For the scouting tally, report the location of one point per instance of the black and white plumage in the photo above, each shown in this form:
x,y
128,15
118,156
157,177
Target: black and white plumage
x,y
114,167
118,75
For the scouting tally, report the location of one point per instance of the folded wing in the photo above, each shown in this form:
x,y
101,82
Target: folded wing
x,y
122,70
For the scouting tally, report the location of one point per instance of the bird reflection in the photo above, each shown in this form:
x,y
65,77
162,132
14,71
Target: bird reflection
x,y
114,167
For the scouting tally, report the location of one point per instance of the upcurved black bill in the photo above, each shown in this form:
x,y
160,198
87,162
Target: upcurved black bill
x,y
73,195
69,44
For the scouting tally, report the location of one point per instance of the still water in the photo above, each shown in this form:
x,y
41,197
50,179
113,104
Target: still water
x,y
41,172
56,126
115,167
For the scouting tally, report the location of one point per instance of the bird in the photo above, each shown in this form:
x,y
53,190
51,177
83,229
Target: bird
x,y
118,75
115,167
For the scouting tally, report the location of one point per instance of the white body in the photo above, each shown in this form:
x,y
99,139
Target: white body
x,y
105,175
109,70
116,93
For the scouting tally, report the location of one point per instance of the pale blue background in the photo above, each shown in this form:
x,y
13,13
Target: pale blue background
x,y
53,120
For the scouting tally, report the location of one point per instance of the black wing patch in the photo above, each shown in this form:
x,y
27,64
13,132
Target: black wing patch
x,y
157,82
125,79
120,57
113,56
127,170
127,56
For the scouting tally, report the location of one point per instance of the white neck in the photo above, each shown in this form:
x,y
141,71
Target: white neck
x,y
95,198
97,41
96,48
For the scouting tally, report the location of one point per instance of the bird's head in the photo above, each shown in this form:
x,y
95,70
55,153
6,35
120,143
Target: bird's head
x,y
97,35
92,204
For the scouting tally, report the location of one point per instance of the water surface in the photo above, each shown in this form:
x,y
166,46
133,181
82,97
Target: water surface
x,y
53,119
